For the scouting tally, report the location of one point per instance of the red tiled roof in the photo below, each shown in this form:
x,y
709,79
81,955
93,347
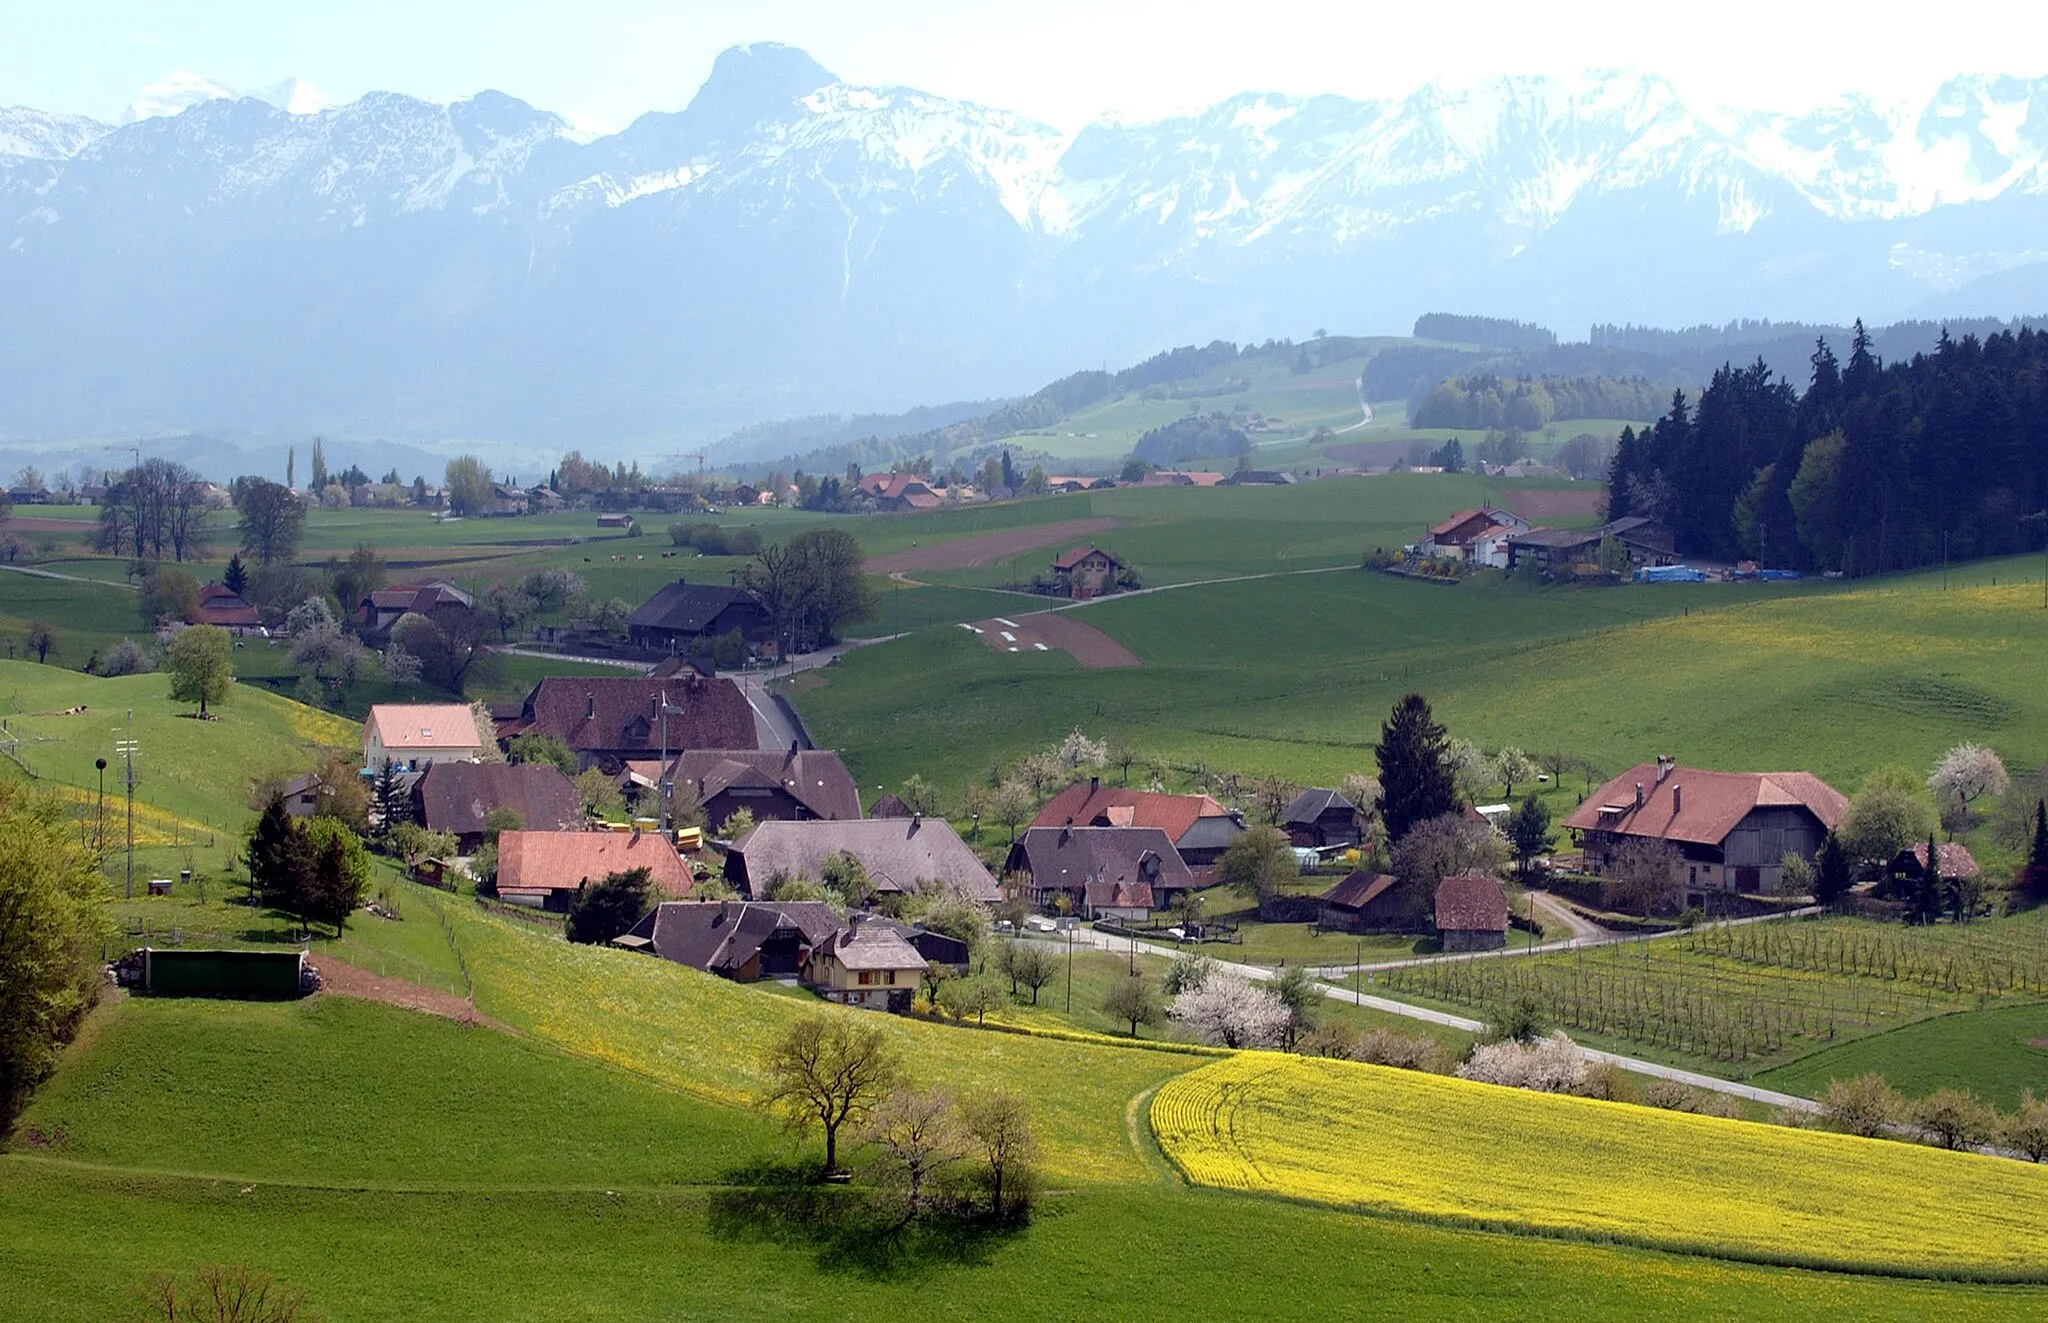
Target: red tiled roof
x,y
1956,859
1699,806
537,861
1471,903
1119,895
1067,560
1087,804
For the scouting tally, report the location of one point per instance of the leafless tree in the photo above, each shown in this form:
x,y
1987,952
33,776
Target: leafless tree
x,y
915,1130
827,1071
996,1127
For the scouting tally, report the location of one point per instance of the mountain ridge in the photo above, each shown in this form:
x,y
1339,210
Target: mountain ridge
x,y
790,243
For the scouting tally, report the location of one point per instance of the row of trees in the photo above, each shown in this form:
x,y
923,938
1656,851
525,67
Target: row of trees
x,y
1875,467
1530,404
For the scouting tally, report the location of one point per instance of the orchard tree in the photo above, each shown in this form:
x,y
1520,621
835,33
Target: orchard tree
x,y
42,639
1228,1011
1963,774
200,662
1259,862
1134,1001
827,1071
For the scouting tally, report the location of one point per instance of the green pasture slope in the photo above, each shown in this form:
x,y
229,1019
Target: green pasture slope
x,y
1997,1054
399,1167
1292,676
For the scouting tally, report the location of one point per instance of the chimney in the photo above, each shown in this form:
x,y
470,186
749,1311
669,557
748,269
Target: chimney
x,y
589,706
1639,794
1677,799
1094,784
916,821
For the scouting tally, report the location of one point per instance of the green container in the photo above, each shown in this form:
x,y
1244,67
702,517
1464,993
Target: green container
x,y
240,974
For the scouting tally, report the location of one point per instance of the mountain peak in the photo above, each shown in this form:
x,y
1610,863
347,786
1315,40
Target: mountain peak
x,y
179,92
749,84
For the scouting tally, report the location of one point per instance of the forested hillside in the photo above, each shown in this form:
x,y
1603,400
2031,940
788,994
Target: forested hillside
x,y
1489,401
1875,467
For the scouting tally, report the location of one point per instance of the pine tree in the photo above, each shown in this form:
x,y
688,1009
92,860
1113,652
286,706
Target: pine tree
x,y
392,805
1831,872
235,578
2037,857
1927,892
1416,783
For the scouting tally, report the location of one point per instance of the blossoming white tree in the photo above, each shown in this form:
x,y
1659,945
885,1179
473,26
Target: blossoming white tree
x,y
1966,772
1228,1011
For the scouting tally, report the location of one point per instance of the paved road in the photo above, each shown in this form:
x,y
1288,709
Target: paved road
x,y
1769,1097
71,578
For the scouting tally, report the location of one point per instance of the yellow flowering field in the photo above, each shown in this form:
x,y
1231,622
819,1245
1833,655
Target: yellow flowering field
x,y
1383,1140
708,1037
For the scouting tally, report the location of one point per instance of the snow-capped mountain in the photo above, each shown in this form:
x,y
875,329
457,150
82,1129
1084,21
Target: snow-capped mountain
x,y
790,242
179,92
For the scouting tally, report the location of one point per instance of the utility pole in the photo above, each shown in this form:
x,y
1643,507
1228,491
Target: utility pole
x,y
99,821
125,748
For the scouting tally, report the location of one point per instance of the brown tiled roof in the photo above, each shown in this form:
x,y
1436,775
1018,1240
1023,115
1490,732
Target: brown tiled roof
x,y
619,714
1471,903
425,726
1118,895
815,778
899,854
1699,806
1071,857
456,796
890,805
1357,890
537,861
1452,524
1091,804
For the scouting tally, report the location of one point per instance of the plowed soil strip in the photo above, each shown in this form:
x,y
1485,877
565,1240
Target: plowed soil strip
x,y
346,980
966,553
1049,631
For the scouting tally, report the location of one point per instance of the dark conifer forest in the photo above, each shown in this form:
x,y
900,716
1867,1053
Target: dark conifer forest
x,y
1872,468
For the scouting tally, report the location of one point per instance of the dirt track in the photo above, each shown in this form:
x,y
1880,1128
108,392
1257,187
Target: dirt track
x,y
346,980
1049,631
985,548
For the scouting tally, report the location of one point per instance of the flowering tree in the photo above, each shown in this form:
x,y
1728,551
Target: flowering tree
x,y
1227,1011
1548,1065
1964,773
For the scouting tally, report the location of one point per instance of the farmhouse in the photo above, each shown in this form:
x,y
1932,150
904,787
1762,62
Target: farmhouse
x,y
900,491
1730,830
543,869
796,785
1367,903
608,720
1647,541
416,735
1181,478
682,612
744,941
864,964
1479,536
1199,827
1472,913
455,797
900,855
377,613
1319,819
224,608
615,519
1085,572
1957,863
1098,872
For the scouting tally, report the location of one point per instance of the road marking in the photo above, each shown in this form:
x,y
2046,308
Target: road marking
x,y
1011,623
1040,646
1008,637
969,628
1013,647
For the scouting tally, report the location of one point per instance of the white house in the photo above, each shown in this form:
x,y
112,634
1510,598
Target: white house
x,y
417,735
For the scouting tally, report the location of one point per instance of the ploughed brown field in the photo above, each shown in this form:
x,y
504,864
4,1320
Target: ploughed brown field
x,y
1054,631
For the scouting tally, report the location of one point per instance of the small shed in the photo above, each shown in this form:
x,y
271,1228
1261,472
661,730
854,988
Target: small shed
x,y
1320,818
1472,913
1366,903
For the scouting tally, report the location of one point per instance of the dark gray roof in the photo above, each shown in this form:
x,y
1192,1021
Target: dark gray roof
x,y
456,796
1071,857
1314,803
815,778
1554,538
688,607
899,854
716,935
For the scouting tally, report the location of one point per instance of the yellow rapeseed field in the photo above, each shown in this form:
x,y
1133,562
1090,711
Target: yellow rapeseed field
x,y
1378,1139
709,1037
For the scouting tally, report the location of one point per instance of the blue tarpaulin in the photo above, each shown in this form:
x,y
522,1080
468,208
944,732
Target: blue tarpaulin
x,y
1670,574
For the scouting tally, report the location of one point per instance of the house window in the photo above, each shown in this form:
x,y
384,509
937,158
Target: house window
x,y
867,976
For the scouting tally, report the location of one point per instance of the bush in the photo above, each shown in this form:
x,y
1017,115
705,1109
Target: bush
x,y
1866,1105
1955,1118
1391,1047
1607,1082
1550,1065
126,658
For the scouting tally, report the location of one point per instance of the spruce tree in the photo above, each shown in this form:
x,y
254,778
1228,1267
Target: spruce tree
x,y
235,578
392,805
1831,872
1416,783
2037,857
280,859
1927,894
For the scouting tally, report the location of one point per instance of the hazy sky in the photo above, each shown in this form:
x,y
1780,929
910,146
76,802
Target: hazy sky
x,y
1062,61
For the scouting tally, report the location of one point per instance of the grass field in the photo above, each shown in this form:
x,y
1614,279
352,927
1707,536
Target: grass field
x,y
1369,1137
1997,1054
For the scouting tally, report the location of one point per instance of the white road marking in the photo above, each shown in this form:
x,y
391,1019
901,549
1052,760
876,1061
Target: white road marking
x,y
1008,637
1040,646
1011,623
969,628
1013,647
